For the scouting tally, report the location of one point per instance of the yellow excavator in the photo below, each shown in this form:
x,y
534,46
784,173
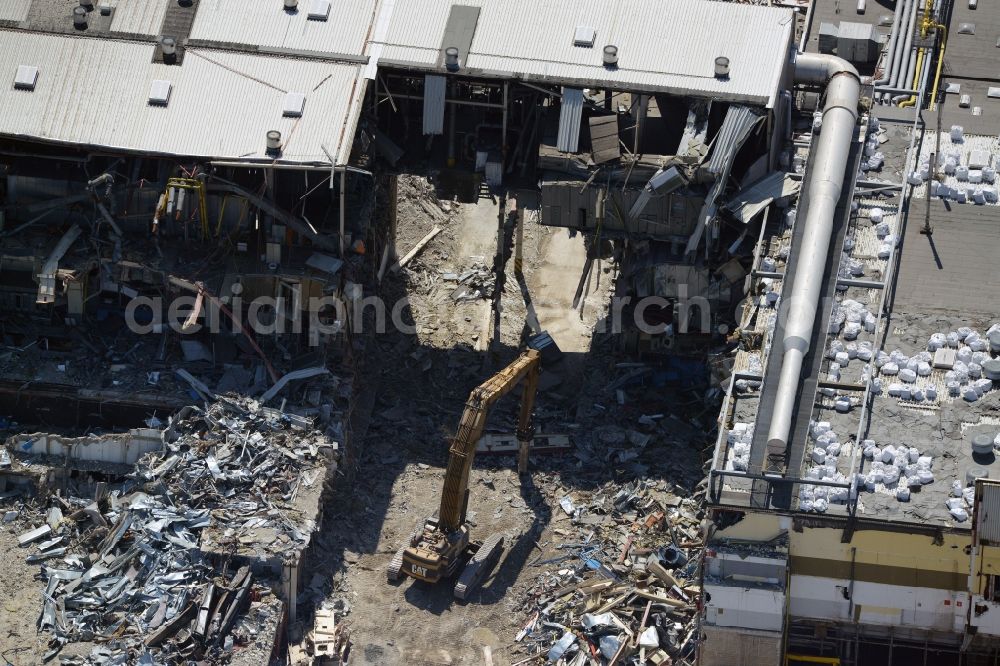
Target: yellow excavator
x,y
436,549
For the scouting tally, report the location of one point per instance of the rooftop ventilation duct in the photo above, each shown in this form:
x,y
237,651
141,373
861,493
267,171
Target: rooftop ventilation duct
x,y
273,142
610,55
319,10
291,5
825,182
26,77
293,105
80,17
451,58
722,67
159,92
169,46
584,36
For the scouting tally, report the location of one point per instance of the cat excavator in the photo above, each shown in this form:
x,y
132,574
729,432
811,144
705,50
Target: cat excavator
x,y
437,549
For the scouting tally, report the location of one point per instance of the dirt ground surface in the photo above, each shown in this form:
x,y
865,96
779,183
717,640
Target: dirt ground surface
x,y
21,594
422,382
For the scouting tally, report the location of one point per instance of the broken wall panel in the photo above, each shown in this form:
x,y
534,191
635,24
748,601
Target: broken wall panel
x,y
435,88
570,117
116,449
604,143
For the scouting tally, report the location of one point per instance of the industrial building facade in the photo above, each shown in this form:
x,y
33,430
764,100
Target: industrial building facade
x,y
851,487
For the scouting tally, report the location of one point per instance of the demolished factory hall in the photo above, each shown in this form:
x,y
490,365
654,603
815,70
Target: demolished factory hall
x,y
187,187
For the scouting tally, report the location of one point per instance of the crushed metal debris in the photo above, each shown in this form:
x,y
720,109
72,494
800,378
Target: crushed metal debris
x,y
164,568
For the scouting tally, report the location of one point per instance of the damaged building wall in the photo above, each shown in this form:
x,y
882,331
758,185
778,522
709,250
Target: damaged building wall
x,y
123,449
574,205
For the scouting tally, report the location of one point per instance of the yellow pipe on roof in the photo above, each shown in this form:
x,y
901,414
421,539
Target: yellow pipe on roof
x,y
937,75
916,79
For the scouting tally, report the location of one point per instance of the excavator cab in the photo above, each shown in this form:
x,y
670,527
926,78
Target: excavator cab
x,y
439,547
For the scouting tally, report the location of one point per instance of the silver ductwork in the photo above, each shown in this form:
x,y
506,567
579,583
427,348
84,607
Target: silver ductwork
x,y
893,38
825,181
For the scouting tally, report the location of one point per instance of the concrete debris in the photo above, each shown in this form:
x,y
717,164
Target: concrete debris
x,y
622,589
473,284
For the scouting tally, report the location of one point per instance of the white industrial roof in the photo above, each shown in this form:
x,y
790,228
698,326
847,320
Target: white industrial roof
x,y
667,46
138,17
264,24
14,10
95,92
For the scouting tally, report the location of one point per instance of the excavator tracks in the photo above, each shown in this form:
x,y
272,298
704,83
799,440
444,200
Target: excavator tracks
x,y
479,566
395,568
394,571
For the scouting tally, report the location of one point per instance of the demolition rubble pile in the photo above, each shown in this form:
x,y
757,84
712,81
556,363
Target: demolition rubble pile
x,y
134,569
623,587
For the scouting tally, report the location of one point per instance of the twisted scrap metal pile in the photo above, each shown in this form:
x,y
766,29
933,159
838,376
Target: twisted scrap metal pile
x,y
625,588
134,569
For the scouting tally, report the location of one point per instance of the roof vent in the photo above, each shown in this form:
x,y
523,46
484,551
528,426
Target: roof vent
x,y
293,105
273,142
319,10
86,4
80,18
451,58
610,55
159,92
584,36
26,77
169,46
291,5
722,67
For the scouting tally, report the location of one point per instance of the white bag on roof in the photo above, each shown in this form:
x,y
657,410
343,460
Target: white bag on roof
x,y
955,502
890,369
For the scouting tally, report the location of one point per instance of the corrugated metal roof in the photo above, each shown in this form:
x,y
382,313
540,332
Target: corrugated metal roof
x,y
268,26
138,17
662,46
94,92
434,101
758,196
570,116
14,10
736,127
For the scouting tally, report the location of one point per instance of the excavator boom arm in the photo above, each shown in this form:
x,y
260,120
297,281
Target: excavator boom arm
x,y
470,430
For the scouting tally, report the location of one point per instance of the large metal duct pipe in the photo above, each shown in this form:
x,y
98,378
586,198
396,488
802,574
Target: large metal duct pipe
x,y
825,181
893,38
906,52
